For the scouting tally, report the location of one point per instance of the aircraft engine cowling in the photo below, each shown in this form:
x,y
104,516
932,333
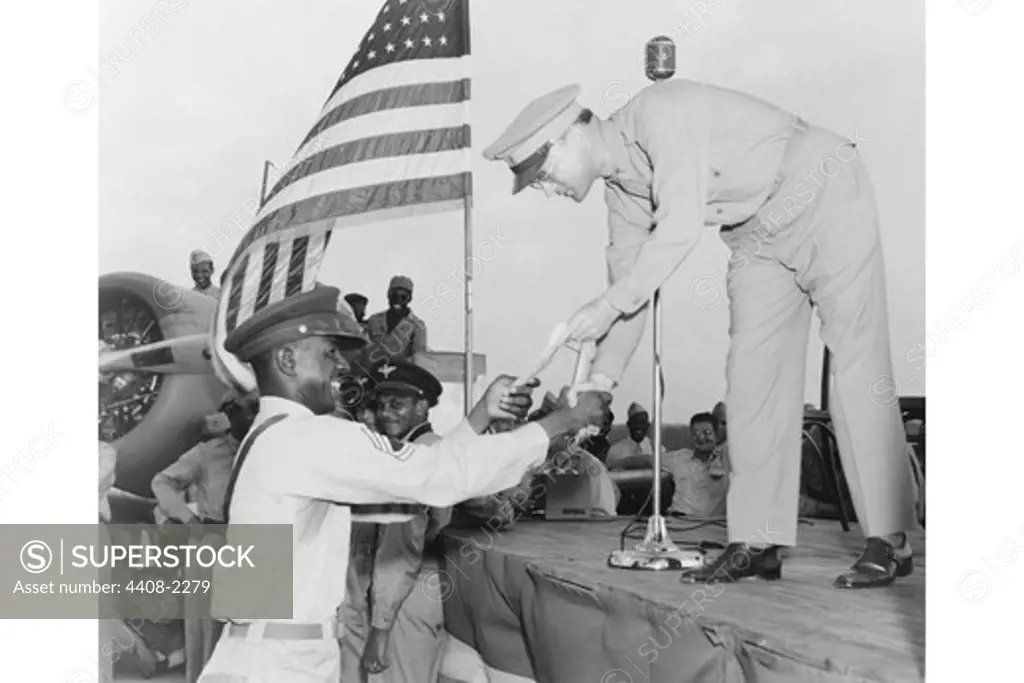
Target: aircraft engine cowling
x,y
156,383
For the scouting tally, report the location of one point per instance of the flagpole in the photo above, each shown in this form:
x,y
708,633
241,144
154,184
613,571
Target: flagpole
x,y
263,187
467,271
467,262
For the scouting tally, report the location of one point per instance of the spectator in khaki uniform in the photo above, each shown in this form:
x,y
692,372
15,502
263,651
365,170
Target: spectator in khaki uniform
x,y
394,614
396,333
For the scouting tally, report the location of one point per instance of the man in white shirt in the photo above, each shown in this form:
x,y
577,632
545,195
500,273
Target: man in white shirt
x,y
701,473
301,465
636,451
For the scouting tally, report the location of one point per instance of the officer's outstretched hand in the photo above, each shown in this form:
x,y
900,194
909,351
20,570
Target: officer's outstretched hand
x,y
591,322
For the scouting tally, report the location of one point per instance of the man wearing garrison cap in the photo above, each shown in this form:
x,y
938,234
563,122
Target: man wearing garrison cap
x,y
795,206
302,466
201,264
397,632
397,333
634,451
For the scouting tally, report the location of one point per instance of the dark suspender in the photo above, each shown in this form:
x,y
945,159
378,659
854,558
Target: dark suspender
x,y
240,459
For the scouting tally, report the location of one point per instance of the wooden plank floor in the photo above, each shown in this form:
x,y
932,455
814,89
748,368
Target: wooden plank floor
x,y
878,633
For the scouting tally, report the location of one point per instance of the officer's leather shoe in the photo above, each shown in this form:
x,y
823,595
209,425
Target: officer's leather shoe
x,y
879,565
739,561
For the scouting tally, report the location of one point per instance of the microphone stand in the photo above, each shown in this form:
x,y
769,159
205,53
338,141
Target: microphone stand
x,y
657,551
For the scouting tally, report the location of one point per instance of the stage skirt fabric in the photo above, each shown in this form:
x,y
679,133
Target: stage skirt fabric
x,y
529,623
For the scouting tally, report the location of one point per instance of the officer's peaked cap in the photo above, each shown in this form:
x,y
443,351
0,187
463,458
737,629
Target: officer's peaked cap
x,y
308,314
405,376
525,143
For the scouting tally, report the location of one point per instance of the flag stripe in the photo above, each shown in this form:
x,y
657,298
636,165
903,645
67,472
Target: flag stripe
x,y
379,123
398,74
235,298
314,255
297,265
398,97
377,147
282,266
267,276
367,174
251,280
341,203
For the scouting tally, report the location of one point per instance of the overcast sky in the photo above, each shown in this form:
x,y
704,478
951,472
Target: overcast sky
x,y
194,96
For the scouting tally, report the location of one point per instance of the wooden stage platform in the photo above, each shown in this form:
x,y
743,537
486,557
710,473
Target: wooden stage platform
x,y
873,635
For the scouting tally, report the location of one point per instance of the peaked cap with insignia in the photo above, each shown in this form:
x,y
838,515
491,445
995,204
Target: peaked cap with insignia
x,y
309,314
525,144
405,376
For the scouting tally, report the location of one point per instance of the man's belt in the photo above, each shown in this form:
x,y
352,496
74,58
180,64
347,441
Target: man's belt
x,y
800,129
279,630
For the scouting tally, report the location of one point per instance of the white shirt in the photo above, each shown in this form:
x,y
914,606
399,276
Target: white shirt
x,y
701,487
297,467
627,448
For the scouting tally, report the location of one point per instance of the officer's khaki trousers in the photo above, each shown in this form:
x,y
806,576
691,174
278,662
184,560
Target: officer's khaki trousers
x,y
815,242
417,638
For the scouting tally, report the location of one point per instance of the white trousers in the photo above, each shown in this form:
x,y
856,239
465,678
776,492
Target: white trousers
x,y
815,243
252,660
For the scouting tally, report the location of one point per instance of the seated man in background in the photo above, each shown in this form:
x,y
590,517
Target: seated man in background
x,y
701,474
598,445
205,469
393,612
635,452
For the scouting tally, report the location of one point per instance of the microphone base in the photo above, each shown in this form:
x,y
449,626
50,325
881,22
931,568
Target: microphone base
x,y
657,552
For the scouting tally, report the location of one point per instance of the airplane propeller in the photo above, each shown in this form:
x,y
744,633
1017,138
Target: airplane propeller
x,y
188,355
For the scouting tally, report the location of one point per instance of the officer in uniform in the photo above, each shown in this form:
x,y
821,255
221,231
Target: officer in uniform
x,y
796,208
398,632
301,465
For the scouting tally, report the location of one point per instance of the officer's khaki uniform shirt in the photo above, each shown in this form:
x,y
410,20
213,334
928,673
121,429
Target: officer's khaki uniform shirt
x,y
687,155
302,470
407,339
202,471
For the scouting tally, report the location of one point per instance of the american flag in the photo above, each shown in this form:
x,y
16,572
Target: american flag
x,y
392,140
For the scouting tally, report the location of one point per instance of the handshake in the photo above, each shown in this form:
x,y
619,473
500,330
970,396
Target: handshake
x,y
570,413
